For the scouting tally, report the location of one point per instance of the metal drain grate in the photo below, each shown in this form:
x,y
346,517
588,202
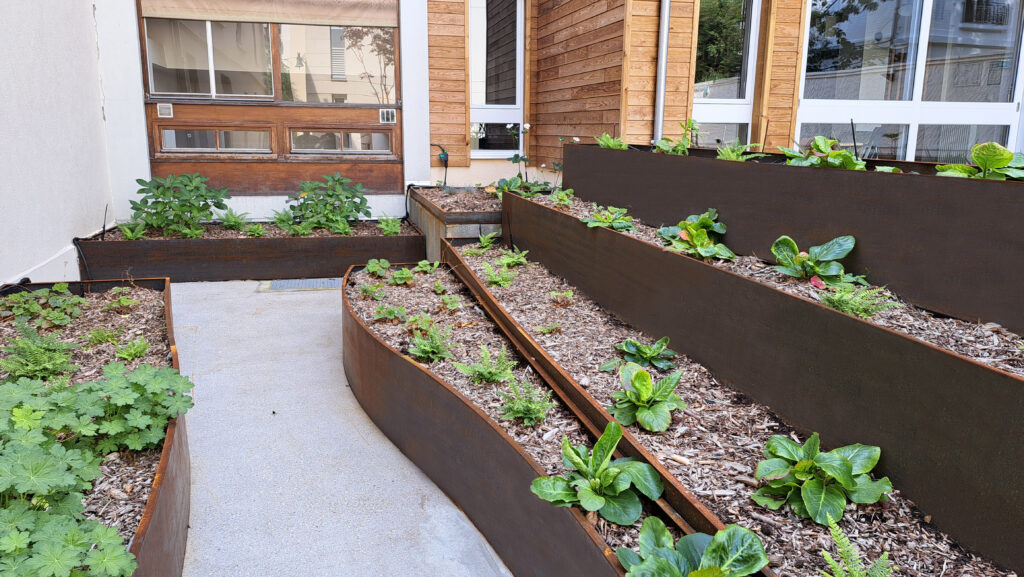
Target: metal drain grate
x,y
309,284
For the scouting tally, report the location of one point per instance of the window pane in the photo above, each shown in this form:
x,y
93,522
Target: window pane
x,y
367,142
245,140
493,137
713,134
178,139
313,141
241,58
722,47
492,43
950,143
860,50
348,64
177,54
883,141
972,52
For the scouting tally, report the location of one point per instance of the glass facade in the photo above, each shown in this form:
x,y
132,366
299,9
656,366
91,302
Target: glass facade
x,y
723,45
334,64
241,58
179,61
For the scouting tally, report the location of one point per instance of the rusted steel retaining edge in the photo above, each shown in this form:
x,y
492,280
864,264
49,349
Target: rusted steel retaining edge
x,y
472,459
939,417
678,503
478,217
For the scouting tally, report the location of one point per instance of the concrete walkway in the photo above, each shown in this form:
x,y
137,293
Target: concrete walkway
x,y
289,476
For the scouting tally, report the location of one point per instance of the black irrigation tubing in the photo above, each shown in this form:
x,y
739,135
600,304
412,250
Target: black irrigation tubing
x,y
85,264
15,287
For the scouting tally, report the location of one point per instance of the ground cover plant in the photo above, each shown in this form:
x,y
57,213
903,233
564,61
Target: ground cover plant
x,y
525,402
378,267
44,308
389,314
426,267
698,235
734,551
611,217
232,220
860,301
401,277
501,276
431,345
511,258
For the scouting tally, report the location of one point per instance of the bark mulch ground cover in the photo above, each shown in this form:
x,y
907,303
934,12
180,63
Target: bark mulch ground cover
x,y
471,329
989,343
270,230
119,496
462,199
714,445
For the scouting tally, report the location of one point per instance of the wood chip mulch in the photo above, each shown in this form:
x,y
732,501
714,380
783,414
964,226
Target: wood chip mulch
x,y
119,496
461,199
714,445
270,230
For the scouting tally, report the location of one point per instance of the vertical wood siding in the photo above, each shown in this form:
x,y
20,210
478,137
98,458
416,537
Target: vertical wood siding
x,y
449,79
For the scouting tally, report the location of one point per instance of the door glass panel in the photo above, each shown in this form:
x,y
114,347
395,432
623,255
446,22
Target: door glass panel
x,y
723,41
951,143
972,51
241,58
334,64
493,136
186,139
492,35
862,50
883,141
245,140
713,134
315,141
178,58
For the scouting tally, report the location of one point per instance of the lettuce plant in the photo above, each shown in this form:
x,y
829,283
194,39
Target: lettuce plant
x,y
816,484
613,218
608,141
734,552
823,153
634,351
698,235
401,277
643,401
820,262
596,482
993,162
488,370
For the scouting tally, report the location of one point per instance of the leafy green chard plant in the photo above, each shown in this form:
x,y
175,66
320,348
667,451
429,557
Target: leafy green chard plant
x,y
378,267
596,482
733,552
563,298
525,402
254,230
680,147
849,563
612,217
389,314
333,203
563,198
232,220
401,277
133,230
502,276
816,484
633,351
487,369
372,291
426,267
698,235
390,226
136,349
823,153
992,162
511,258
431,345
737,152
36,356
608,141
820,264
549,329
177,204
645,402
862,302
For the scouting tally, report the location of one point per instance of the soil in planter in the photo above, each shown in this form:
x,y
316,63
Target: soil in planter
x,y
989,344
472,328
463,199
714,445
270,230
119,496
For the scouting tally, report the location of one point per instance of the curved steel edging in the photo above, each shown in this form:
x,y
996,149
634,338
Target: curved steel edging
x,y
483,470
939,417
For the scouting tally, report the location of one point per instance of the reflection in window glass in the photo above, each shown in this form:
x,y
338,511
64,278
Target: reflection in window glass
x,y
245,140
493,137
722,48
713,135
492,43
884,141
367,142
862,50
951,143
177,139
241,58
972,52
178,59
316,141
315,67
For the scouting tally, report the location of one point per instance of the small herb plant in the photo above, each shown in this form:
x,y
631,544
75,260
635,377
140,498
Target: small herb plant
x,y
511,258
451,303
333,203
502,276
35,356
389,314
850,563
679,147
613,218
823,153
738,152
401,277
563,198
633,351
254,230
597,483
816,484
820,262
101,336
372,291
232,220
390,226
439,288
698,235
608,141
133,230
177,204
563,298
487,240
136,349
549,328
121,305
645,402
487,369
431,345
378,267
993,162
525,402
862,302
426,267
734,552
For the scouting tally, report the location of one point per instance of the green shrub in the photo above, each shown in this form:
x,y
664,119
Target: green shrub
x,y
177,204
328,203
734,552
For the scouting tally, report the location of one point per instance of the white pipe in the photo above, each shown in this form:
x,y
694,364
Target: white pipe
x,y
659,90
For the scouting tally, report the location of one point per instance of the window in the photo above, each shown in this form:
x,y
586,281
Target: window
x,y
882,141
340,142
332,64
714,134
188,57
495,77
214,140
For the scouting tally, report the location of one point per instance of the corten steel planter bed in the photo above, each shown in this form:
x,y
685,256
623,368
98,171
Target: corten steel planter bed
x,y
949,427
920,235
186,260
437,223
159,541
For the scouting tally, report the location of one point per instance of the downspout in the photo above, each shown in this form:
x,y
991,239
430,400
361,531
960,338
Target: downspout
x,y
659,89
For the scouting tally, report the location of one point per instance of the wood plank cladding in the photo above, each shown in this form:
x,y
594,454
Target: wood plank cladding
x,y
447,41
781,88
576,84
